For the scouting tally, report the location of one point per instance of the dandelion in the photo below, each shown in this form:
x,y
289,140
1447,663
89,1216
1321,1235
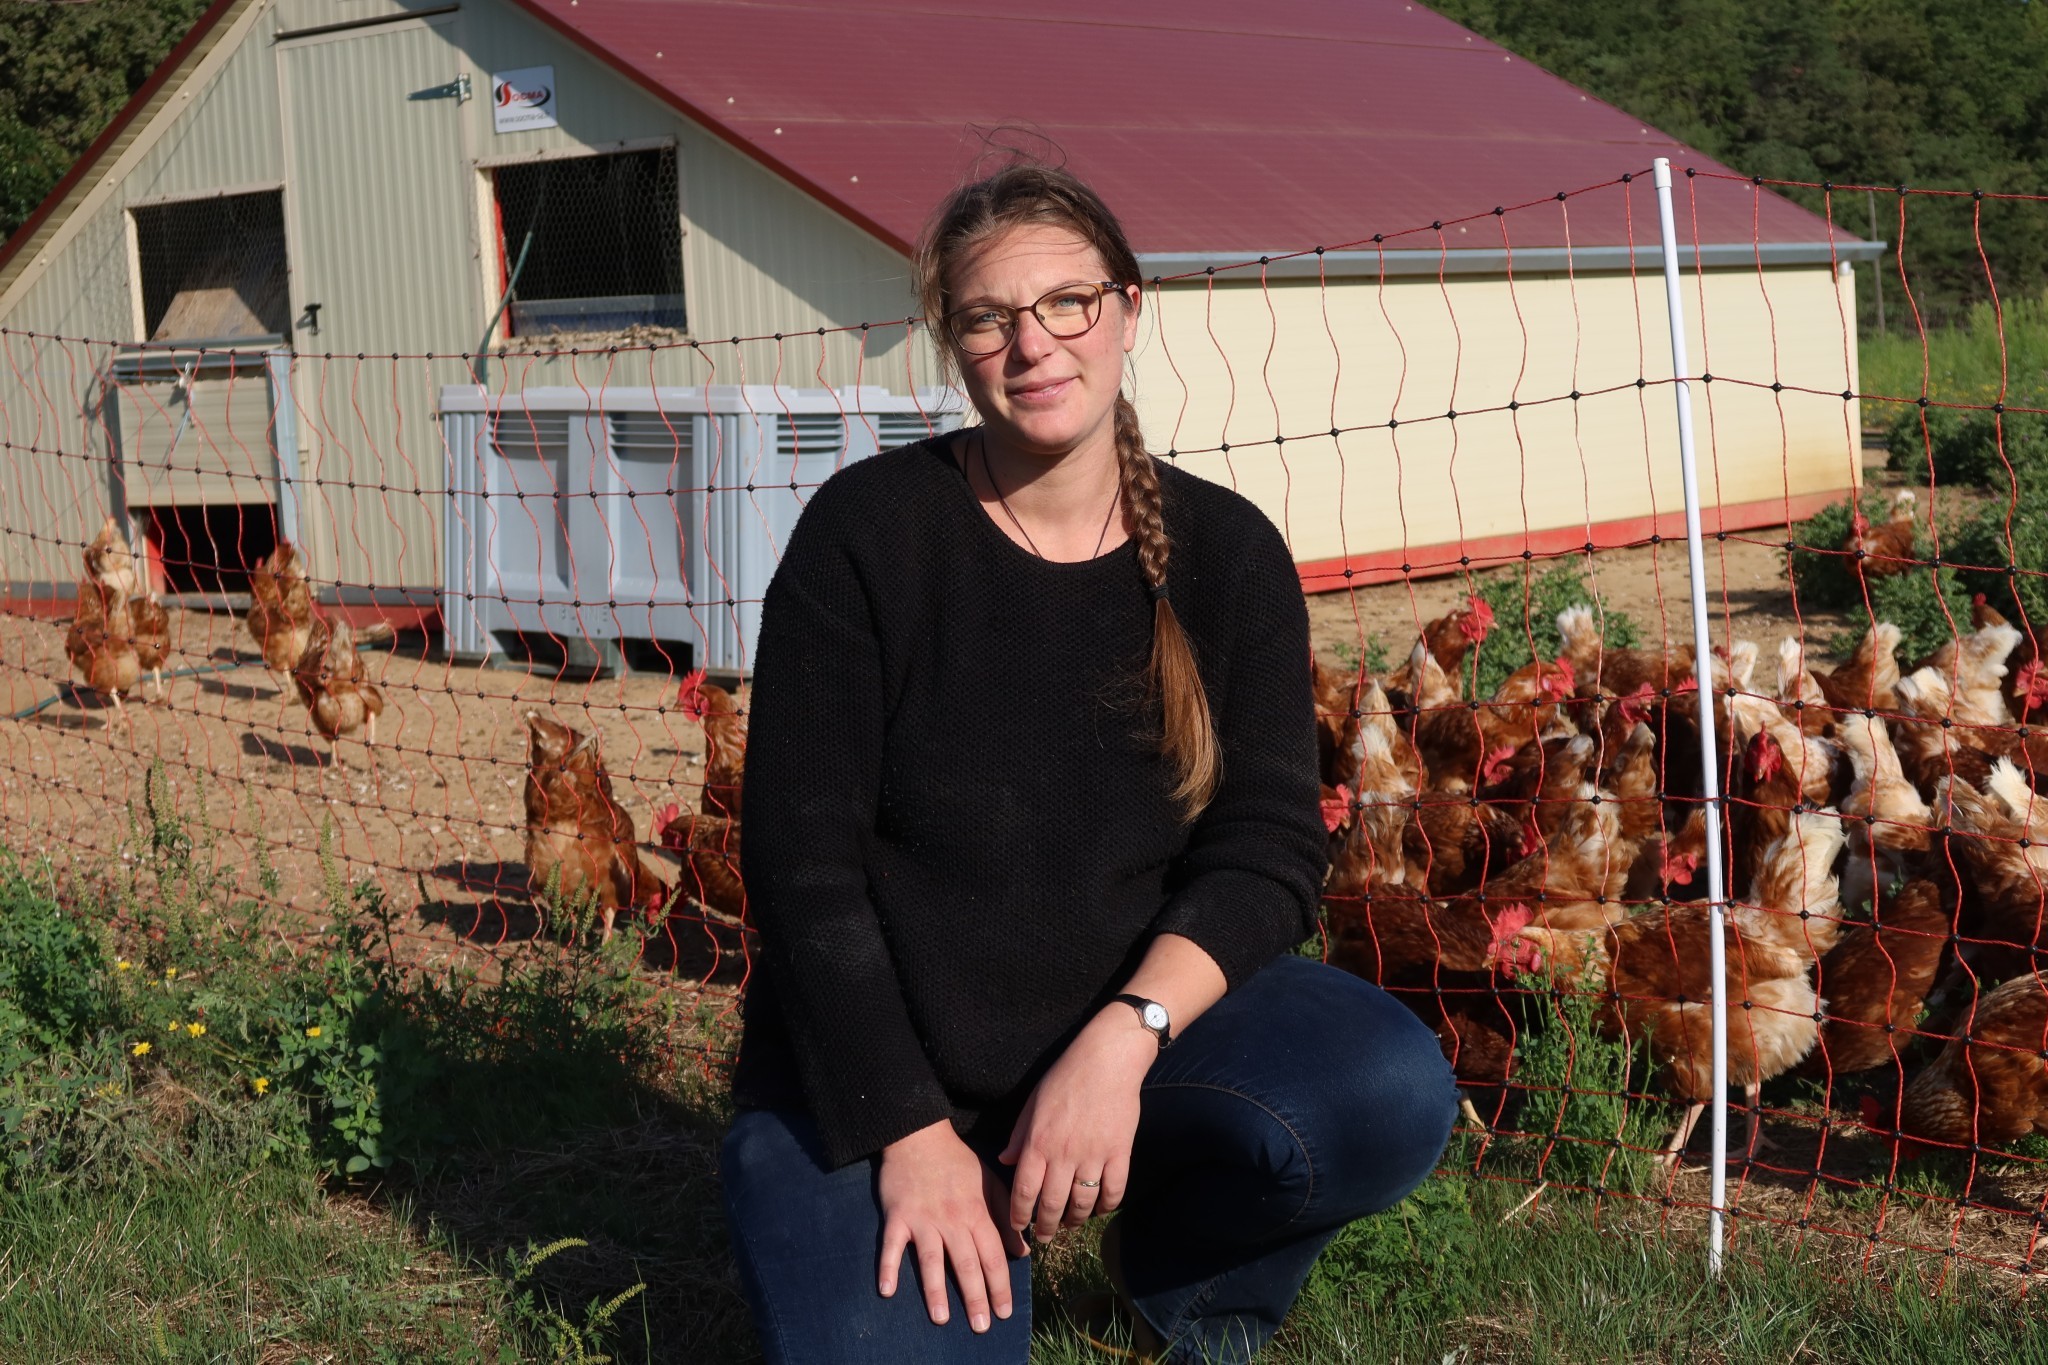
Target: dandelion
x,y
139,1050
195,1029
175,1026
313,1032
123,965
261,1085
170,972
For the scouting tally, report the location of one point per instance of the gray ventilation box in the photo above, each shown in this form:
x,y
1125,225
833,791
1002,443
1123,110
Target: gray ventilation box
x,y
578,519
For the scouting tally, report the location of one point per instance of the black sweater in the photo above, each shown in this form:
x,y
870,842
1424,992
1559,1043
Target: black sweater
x,y
959,837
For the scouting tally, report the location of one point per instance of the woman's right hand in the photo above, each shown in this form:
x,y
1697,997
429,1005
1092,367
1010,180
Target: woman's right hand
x,y
937,1195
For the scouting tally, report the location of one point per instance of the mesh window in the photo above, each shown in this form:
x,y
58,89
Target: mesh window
x,y
214,269
607,243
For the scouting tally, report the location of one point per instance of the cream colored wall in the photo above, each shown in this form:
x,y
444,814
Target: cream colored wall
x,y
1240,364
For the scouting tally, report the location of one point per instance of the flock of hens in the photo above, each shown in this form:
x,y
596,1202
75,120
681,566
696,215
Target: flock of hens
x,y
1886,854
580,842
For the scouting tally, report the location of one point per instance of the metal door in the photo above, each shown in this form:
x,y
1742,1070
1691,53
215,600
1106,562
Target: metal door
x,y
377,210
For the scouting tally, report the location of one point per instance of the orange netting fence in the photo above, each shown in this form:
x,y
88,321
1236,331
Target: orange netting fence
x,y
481,624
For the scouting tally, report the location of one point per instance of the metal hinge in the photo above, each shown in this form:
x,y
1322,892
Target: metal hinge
x,y
457,89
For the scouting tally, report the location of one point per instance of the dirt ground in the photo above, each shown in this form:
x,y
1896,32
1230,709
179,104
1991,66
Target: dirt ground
x,y
1747,598
435,815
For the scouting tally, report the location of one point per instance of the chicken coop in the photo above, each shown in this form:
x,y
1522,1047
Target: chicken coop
x,y
410,199
653,517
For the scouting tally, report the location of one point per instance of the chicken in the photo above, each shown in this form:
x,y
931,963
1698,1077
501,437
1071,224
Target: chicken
x,y
110,564
280,617
1795,896
1388,774
102,647
2003,847
1439,961
1929,749
1870,679
1819,765
1654,970
1988,1086
1893,823
1882,551
725,742
1336,723
1973,665
1799,691
110,561
335,687
1658,982
710,849
1447,640
1621,671
579,839
2026,682
1454,841
1875,980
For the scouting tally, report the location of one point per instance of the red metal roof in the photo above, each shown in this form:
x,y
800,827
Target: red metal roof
x,y
1209,125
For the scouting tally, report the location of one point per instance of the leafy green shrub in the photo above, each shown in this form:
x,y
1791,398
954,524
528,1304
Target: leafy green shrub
x,y
1929,606
1418,1256
1964,445
1824,576
1580,1127
1525,609
1981,543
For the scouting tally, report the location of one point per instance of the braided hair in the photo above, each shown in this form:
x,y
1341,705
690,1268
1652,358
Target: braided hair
x,y
1026,193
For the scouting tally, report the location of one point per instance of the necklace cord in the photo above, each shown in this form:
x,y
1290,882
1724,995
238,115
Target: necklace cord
x,y
988,472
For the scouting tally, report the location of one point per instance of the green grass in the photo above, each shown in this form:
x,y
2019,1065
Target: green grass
x,y
1963,364
522,1168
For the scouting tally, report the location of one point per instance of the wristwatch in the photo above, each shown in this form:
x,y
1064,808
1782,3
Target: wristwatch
x,y
1152,1015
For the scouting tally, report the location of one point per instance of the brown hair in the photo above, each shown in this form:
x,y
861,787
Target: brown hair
x,y
1027,192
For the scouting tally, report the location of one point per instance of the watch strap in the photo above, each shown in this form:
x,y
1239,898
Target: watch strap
x,y
1139,1003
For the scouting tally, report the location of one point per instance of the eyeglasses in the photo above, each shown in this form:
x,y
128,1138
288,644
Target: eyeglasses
x,y
1066,312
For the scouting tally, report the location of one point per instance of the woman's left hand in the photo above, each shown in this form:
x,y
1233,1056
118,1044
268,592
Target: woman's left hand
x,y
1078,1125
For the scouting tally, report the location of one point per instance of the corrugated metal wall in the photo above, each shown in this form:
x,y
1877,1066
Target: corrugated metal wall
x,y
1240,364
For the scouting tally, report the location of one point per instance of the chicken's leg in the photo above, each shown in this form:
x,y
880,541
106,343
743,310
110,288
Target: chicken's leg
x,y
1753,1099
1674,1150
1471,1114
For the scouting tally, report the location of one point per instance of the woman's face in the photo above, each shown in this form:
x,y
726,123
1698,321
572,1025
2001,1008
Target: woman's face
x,y
1043,393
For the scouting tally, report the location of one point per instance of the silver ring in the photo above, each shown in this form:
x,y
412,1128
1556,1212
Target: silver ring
x,y
1088,1184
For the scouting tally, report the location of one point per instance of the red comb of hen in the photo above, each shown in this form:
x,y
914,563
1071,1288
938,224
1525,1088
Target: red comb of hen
x,y
665,817
2030,685
1633,707
1676,867
690,696
1496,765
1336,808
1478,619
1766,759
1978,600
1512,920
1562,683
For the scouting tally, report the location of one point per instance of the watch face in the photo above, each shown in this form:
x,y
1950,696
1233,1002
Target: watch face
x,y
1155,1016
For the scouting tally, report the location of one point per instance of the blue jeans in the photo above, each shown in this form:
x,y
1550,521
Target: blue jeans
x,y
1303,1100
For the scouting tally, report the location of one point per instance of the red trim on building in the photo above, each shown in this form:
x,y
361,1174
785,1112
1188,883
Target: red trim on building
x,y
1436,561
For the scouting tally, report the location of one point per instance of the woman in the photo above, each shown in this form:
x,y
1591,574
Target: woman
x,y
1032,825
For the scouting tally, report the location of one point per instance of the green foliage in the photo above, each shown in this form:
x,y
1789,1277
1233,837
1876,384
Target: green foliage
x,y
1881,92
1929,606
65,71
1985,357
1982,544
1580,1126
1968,447
1822,574
1525,610
1417,1257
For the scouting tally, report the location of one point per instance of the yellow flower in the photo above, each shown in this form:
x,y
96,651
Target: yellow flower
x,y
313,1032
140,1049
260,1085
123,965
170,972
175,1026
195,1029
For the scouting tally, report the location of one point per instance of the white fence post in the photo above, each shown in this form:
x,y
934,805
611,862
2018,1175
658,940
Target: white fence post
x,y
1710,765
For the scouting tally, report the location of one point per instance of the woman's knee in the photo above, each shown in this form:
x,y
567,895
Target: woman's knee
x,y
1379,1106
